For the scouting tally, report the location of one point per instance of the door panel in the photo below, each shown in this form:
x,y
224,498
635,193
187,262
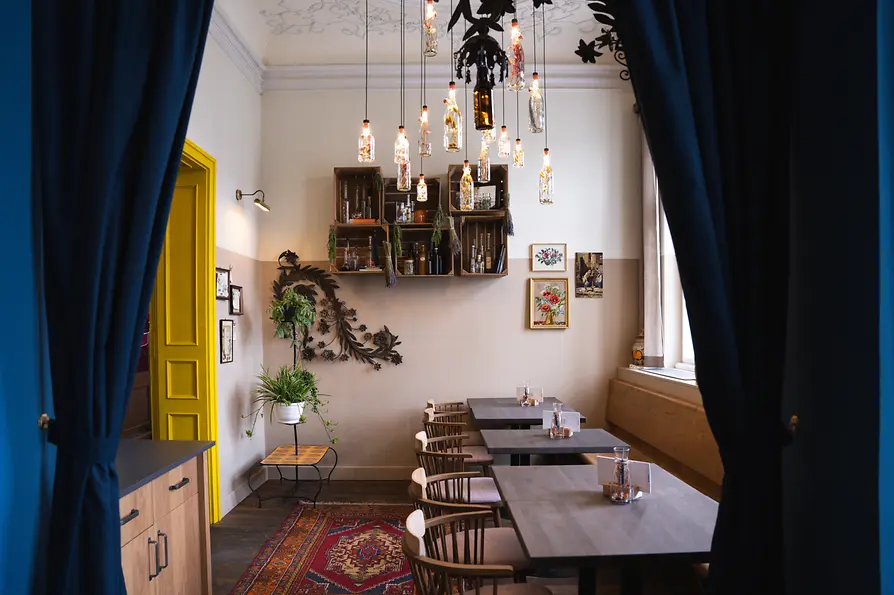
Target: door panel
x,y
138,563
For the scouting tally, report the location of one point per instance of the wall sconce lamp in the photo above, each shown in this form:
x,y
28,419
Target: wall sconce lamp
x,y
259,202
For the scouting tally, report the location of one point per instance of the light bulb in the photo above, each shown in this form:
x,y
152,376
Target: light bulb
x,y
518,157
546,180
424,133
403,176
401,146
503,147
535,106
483,101
466,188
366,146
453,122
430,30
516,56
421,189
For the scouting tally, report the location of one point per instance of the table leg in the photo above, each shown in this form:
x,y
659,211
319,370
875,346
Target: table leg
x,y
329,477
631,579
586,581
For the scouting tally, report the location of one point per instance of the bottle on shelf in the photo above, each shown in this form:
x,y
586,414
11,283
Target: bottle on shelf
x,y
421,260
371,262
473,262
488,254
412,260
435,261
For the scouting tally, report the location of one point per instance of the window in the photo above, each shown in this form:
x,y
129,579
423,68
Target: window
x,y
678,352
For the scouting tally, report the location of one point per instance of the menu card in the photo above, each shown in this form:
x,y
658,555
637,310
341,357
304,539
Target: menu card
x,y
640,473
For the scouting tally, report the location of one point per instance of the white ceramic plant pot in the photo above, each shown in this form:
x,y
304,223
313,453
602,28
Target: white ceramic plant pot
x,y
289,414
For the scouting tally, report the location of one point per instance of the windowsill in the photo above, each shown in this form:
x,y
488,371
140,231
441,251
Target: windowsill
x,y
686,390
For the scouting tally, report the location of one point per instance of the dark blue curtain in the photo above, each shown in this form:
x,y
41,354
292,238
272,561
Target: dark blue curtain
x,y
767,160
113,87
718,127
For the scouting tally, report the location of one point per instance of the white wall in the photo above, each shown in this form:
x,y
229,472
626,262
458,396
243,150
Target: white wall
x,y
226,123
593,144
461,337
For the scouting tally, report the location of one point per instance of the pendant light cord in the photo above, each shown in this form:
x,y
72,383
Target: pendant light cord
x,y
403,111
534,35
545,110
366,70
452,56
466,107
421,73
503,75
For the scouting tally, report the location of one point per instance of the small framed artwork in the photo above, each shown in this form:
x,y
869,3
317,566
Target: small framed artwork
x,y
588,274
548,258
226,341
548,303
222,284
236,300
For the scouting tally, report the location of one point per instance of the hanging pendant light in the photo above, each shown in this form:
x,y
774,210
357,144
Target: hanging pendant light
x,y
546,181
489,135
516,56
466,188
453,122
547,185
503,146
518,156
535,106
424,134
366,145
484,162
430,30
401,144
421,189
483,101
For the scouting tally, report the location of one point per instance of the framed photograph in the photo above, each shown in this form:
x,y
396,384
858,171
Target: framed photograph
x,y
548,303
226,341
549,258
588,274
236,300
222,284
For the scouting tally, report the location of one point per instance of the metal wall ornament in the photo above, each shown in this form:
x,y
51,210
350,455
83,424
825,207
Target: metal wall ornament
x,y
608,40
350,340
479,49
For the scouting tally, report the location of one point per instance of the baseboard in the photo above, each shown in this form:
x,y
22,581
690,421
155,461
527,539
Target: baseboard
x,y
241,492
347,473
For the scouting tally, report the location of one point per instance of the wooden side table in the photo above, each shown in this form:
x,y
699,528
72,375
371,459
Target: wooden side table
x,y
295,455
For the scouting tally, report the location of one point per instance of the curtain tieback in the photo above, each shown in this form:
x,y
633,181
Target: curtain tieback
x,y
92,450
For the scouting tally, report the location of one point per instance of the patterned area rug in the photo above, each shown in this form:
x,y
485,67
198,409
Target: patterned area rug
x,y
333,550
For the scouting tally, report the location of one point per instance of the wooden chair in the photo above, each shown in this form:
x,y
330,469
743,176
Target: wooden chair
x,y
453,406
443,454
438,425
450,554
432,495
477,489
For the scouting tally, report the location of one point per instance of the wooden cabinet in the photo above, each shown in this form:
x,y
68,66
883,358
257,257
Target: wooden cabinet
x,y
165,534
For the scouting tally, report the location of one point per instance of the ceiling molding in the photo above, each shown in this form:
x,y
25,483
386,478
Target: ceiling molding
x,y
223,32
387,76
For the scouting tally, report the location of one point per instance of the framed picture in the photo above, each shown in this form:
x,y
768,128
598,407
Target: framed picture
x,y
548,258
222,284
226,341
548,303
236,300
588,274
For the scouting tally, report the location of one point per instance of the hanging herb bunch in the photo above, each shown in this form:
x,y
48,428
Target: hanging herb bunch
x,y
608,40
479,48
350,340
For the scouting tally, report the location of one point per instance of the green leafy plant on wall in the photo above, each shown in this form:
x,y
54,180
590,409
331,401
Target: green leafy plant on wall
x,y
292,314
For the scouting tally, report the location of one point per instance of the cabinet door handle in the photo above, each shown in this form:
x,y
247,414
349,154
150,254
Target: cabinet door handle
x,y
152,575
165,565
134,513
179,484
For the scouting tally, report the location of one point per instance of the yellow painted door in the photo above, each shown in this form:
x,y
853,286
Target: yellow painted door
x,y
182,320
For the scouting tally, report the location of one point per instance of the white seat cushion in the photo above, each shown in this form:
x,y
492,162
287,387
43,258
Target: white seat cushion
x,y
483,490
480,456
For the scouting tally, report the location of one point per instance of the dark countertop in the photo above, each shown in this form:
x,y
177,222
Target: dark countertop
x,y
140,461
506,411
513,442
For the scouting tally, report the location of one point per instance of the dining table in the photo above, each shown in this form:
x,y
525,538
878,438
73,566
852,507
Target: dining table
x,y
506,412
521,444
563,520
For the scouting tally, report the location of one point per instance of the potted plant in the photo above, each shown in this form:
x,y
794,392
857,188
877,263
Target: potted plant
x,y
289,393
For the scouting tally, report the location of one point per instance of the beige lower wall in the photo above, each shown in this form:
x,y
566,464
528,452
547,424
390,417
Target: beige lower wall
x,y
236,380
461,338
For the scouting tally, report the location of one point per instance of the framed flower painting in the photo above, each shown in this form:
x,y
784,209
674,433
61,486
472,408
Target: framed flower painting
x,y
548,303
549,258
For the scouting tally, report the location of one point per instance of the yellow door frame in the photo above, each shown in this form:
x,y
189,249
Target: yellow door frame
x,y
184,389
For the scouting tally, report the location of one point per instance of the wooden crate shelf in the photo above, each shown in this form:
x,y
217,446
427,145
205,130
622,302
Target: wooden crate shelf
x,y
360,186
357,236
421,236
392,197
489,232
499,180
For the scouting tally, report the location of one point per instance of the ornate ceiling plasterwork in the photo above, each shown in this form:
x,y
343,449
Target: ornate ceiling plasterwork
x,y
303,18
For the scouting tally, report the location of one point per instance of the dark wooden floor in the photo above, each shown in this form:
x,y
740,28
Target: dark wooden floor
x,y
236,539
